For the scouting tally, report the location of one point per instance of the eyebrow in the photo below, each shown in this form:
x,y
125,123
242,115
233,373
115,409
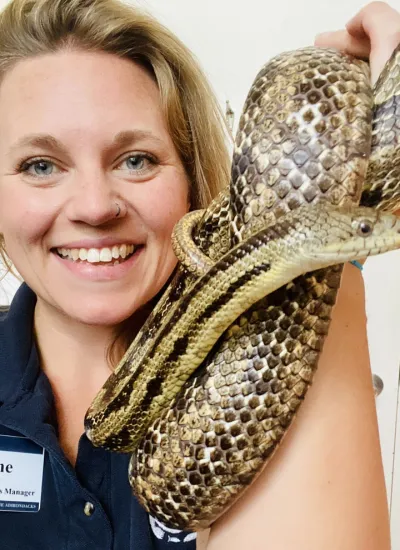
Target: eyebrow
x,y
127,137
41,141
122,139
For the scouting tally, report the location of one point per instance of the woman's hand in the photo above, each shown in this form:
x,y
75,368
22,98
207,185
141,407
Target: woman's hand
x,y
371,34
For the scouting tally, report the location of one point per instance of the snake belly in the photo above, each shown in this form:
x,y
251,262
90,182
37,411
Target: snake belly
x,y
305,134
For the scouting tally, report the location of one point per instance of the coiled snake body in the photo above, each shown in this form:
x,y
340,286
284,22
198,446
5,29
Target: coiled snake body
x,y
309,137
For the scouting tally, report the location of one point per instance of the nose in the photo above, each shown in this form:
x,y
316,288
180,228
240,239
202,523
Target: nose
x,y
93,199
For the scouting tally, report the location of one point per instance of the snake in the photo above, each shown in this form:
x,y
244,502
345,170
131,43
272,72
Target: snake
x,y
213,381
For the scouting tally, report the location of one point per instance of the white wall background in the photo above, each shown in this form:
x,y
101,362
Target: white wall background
x,y
232,40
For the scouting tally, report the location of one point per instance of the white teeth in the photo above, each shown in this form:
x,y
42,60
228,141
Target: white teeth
x,y
105,255
93,256
97,255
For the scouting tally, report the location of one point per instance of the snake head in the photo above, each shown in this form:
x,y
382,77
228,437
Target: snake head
x,y
349,233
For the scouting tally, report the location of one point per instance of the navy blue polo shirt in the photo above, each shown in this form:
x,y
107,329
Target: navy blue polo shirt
x,y
86,507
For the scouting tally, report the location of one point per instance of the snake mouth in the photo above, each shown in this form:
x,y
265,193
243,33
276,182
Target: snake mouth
x,y
332,255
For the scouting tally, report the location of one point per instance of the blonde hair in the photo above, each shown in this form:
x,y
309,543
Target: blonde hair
x,y
30,28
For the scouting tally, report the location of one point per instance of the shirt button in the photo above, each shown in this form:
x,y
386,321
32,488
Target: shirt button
x,y
88,509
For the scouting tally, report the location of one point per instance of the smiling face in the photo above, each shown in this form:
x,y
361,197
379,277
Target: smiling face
x,y
91,185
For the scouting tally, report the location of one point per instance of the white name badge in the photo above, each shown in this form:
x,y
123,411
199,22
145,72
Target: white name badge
x,y
21,474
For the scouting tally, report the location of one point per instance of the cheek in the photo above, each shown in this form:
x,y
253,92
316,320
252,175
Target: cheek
x,y
167,210
24,216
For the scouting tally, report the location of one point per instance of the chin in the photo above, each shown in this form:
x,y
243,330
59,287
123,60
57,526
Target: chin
x,y
103,313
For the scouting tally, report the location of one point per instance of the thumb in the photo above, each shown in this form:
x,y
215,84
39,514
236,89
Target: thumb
x,y
380,24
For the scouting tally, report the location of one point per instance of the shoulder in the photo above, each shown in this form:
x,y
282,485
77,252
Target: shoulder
x,y
16,341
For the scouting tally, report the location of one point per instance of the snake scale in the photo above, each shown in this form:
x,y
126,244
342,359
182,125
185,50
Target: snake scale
x,y
312,132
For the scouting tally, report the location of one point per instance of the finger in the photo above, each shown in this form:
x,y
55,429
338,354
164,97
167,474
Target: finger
x,y
374,18
381,24
344,42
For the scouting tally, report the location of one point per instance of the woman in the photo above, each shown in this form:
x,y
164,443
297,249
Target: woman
x,y
109,134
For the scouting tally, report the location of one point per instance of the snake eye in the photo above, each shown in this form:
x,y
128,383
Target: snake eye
x,y
364,228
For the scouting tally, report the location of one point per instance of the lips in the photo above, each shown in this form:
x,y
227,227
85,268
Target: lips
x,y
104,255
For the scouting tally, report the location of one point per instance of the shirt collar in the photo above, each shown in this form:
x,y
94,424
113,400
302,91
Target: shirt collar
x,y
19,362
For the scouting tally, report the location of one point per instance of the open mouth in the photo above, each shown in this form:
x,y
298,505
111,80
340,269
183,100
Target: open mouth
x,y
98,256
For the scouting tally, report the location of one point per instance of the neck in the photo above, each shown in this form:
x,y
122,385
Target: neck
x,y
74,358
69,348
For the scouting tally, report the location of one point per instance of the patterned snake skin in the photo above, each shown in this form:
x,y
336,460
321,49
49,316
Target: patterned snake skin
x,y
309,130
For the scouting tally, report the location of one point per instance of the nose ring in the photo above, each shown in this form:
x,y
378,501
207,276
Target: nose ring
x,y
118,210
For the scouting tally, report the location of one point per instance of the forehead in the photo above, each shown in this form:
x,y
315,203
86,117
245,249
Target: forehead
x,y
71,91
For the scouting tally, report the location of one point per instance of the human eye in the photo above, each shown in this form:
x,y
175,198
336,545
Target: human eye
x,y
38,168
138,163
